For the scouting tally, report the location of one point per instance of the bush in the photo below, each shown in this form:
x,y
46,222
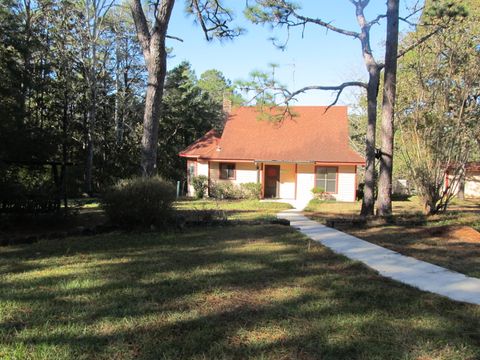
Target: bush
x,y
200,185
251,190
140,203
320,194
225,190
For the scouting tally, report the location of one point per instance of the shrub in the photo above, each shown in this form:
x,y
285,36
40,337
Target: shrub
x,y
225,190
320,194
200,185
139,202
251,190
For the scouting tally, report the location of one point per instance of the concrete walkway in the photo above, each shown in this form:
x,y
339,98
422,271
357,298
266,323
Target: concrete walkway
x,y
410,271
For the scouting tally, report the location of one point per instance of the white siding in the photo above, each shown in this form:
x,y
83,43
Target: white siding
x,y
346,183
244,173
202,168
305,178
472,185
287,181
305,181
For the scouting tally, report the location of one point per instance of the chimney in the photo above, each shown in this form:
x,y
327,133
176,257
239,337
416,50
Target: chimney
x,y
227,103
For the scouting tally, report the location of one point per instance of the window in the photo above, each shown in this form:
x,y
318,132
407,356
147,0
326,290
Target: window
x,y
191,169
326,178
227,171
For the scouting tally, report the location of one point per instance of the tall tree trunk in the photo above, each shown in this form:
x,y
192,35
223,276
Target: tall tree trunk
x,y
119,99
27,61
155,55
384,204
157,68
64,151
368,201
92,117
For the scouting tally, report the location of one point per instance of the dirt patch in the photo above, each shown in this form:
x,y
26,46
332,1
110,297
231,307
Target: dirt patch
x,y
455,233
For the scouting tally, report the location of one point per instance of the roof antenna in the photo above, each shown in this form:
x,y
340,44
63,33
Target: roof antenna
x,y
293,66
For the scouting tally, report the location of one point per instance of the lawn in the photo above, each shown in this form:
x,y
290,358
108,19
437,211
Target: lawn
x,y
443,239
231,292
88,213
236,210
329,209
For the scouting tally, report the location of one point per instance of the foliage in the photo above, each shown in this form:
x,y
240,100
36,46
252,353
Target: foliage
x,y
34,194
48,77
200,185
318,190
251,190
45,90
227,190
319,193
439,85
188,113
139,203
218,87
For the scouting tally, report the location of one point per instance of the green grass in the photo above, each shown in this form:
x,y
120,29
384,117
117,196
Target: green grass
x,y
237,292
235,209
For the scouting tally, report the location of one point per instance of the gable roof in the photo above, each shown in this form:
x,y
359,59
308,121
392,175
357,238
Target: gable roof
x,y
311,135
203,147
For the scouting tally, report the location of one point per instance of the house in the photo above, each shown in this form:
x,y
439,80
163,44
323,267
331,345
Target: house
x,y
472,179
288,158
469,183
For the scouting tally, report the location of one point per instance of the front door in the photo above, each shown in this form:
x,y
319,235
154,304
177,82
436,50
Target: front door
x,y
272,179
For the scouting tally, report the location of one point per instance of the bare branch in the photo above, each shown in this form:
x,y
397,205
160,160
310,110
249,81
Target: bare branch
x,y
174,38
338,88
327,25
376,20
141,25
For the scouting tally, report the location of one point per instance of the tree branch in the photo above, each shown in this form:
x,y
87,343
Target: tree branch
x,y
419,42
339,89
376,20
214,19
141,25
327,25
174,38
281,12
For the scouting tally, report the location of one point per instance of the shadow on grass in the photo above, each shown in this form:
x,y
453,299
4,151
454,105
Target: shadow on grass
x,y
237,292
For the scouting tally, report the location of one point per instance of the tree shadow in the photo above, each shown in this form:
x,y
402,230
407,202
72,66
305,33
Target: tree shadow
x,y
241,292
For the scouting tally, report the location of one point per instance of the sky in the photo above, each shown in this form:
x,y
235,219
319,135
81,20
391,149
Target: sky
x,y
316,58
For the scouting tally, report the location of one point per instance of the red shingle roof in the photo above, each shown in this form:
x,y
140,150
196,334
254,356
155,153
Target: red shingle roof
x,y
203,147
473,166
311,135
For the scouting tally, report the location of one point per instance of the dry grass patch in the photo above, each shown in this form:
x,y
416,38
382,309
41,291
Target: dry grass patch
x,y
451,240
